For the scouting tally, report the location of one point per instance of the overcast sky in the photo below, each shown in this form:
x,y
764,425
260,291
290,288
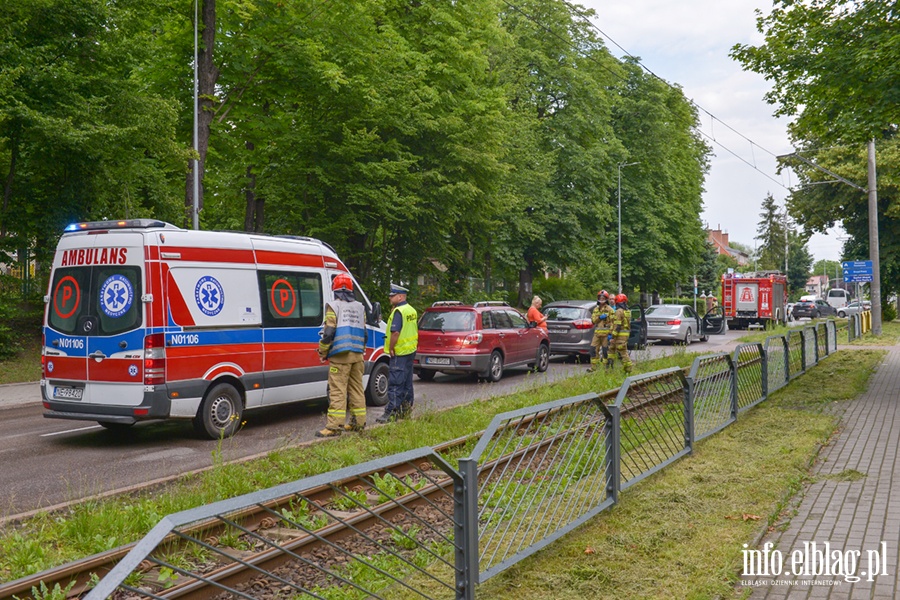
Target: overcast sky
x,y
687,42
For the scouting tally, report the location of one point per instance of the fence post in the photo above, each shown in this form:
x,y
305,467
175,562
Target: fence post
x,y
765,370
787,358
613,453
734,388
803,351
689,414
467,530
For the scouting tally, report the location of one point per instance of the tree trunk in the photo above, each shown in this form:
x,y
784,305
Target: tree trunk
x,y
207,75
7,187
526,278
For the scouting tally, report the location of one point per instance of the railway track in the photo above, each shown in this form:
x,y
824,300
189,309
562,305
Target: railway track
x,y
271,534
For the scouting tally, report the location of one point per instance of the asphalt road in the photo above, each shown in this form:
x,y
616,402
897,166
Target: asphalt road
x,y
47,462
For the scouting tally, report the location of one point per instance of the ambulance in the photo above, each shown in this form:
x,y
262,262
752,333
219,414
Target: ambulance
x,y
145,320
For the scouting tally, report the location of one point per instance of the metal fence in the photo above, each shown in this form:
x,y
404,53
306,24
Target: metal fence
x,y
412,525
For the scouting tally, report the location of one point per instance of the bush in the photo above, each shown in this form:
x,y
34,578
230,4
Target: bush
x,y
888,311
9,344
561,288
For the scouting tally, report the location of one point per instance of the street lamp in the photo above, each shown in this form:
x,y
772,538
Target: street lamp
x,y
620,165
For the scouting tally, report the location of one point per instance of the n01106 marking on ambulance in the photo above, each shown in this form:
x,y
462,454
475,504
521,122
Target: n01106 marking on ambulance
x,y
183,339
209,295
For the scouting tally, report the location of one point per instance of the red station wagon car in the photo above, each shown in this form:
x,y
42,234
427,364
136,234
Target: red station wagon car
x,y
484,338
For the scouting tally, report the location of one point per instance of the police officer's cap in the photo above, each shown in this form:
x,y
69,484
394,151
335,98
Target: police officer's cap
x,y
396,289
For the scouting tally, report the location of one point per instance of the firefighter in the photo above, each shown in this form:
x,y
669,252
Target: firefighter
x,y
619,332
601,317
343,340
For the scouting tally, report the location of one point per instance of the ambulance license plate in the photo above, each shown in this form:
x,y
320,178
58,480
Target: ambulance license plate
x,y
432,360
68,393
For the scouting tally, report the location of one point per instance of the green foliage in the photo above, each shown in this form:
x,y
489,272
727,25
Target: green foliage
x,y
562,288
888,311
42,592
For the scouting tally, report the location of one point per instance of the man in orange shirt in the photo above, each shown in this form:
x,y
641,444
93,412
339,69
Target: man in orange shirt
x,y
534,313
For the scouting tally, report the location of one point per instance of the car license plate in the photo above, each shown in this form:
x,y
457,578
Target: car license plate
x,y
69,393
431,360
563,331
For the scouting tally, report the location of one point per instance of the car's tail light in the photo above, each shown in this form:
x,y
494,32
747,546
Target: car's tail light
x,y
674,322
473,339
43,356
155,359
582,324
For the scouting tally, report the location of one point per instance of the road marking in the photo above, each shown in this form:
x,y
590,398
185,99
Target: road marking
x,y
70,430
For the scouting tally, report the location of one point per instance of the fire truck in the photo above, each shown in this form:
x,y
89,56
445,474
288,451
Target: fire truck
x,y
757,298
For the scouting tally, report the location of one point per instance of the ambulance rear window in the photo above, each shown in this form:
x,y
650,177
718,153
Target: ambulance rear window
x,y
291,299
98,300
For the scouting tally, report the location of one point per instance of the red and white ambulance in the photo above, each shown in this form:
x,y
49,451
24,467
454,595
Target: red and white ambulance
x,y
145,320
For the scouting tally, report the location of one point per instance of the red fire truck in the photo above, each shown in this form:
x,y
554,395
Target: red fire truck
x,y
754,298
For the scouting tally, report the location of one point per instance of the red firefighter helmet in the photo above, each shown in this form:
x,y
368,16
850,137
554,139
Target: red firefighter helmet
x,y
621,298
603,295
342,282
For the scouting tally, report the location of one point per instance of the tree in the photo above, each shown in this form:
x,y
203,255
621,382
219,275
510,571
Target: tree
x,y
832,64
799,263
80,136
771,235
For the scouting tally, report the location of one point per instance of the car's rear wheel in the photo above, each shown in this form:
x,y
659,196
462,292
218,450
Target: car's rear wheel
x,y
543,358
495,367
426,374
376,391
687,337
842,314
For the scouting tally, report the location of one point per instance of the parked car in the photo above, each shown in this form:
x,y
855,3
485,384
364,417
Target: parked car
x,y
571,330
681,323
813,309
853,308
484,338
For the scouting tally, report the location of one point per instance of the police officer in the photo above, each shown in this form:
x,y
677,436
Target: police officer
x,y
619,332
343,340
601,317
400,343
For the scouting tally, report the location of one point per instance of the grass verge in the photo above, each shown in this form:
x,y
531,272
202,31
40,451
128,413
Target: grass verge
x,y
890,335
680,533
25,366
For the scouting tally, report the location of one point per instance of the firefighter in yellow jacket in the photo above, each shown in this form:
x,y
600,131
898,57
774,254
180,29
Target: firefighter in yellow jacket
x,y
618,335
342,344
601,317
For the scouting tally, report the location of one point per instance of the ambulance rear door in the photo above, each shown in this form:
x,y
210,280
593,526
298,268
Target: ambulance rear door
x,y
96,314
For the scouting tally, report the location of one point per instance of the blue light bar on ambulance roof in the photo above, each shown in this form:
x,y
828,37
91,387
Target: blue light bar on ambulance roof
x,y
125,224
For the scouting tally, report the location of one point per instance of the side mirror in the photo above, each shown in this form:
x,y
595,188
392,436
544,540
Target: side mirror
x,y
376,313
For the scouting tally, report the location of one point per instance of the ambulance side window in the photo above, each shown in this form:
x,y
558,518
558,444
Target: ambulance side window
x,y
291,299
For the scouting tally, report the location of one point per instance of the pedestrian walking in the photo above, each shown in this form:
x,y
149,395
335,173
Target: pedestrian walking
x,y
400,342
534,314
602,318
618,335
343,340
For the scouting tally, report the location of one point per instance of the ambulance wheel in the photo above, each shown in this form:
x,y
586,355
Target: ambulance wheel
x,y
220,413
376,391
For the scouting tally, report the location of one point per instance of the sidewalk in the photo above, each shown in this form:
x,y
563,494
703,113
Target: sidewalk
x,y
849,517
16,394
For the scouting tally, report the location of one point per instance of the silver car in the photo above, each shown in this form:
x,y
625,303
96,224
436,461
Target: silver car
x,y
674,322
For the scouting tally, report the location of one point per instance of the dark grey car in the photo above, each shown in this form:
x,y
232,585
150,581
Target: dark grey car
x,y
571,331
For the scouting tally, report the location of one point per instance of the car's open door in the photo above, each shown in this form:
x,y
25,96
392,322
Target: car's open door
x,y
638,336
713,323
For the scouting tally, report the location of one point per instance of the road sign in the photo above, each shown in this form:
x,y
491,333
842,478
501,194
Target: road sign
x,y
860,278
857,264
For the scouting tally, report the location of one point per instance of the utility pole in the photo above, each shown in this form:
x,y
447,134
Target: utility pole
x,y
873,243
195,208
